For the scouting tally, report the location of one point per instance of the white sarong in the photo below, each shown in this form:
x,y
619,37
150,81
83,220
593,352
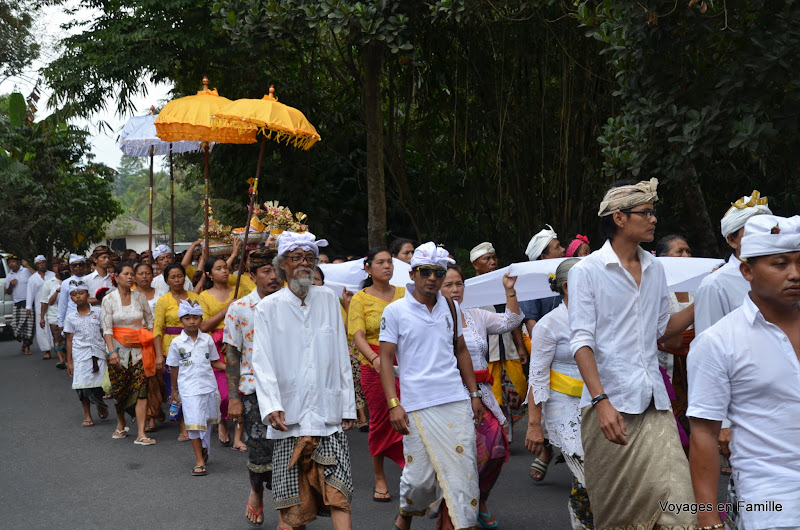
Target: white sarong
x,y
44,338
441,462
200,412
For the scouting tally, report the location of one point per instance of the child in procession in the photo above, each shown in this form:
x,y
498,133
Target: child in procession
x,y
86,352
192,355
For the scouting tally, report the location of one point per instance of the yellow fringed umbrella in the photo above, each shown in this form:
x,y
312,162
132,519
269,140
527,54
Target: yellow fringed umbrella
x,y
274,121
189,118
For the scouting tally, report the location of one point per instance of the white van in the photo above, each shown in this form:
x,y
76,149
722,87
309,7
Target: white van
x,y
6,302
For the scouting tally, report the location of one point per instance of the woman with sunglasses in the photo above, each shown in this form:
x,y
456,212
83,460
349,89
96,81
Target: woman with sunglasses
x,y
363,327
491,435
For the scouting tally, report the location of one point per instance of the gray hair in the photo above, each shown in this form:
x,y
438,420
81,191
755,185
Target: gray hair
x,y
276,264
562,272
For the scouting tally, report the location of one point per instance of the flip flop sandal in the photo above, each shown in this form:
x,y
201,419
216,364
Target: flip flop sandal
x,y
183,438
240,449
61,366
87,423
145,441
541,467
199,471
120,434
484,524
256,513
381,499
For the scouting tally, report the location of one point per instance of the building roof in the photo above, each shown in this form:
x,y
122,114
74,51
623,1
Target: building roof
x,y
129,226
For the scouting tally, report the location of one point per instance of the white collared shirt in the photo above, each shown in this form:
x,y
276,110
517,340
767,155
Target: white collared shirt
x,y
65,303
193,359
745,368
429,373
621,322
20,291
719,293
95,282
161,287
239,334
301,363
35,283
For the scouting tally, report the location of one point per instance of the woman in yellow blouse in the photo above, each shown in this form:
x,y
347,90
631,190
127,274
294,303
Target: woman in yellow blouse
x,y
167,325
215,300
363,326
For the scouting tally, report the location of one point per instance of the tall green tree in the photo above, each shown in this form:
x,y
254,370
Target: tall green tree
x,y
18,46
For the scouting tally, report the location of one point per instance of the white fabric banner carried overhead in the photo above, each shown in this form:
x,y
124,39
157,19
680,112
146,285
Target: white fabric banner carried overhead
x,y
139,134
351,275
533,279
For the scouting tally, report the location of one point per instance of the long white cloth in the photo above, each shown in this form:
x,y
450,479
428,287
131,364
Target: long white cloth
x,y
533,279
441,461
351,275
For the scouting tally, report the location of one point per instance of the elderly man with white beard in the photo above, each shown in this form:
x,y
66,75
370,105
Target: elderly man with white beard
x,y
304,386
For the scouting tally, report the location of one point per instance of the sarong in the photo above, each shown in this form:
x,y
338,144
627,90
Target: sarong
x,y
491,443
578,505
128,385
680,383
441,462
220,376
311,475
199,412
22,324
156,396
43,336
509,384
93,395
383,439
628,484
59,342
355,367
84,375
255,437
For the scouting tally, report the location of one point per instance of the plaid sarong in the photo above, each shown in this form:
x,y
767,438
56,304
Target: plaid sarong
x,y
22,325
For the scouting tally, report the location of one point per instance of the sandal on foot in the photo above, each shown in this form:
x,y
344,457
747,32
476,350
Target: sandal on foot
x,y
87,423
145,441
242,448
151,427
102,412
46,357
254,512
488,517
120,434
183,438
362,426
388,497
394,523
61,366
199,471
539,467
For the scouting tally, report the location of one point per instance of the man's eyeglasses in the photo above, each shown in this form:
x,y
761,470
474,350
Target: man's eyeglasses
x,y
311,260
648,214
426,271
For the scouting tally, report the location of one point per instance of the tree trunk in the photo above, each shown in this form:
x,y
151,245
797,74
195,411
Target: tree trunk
x,y
376,191
705,241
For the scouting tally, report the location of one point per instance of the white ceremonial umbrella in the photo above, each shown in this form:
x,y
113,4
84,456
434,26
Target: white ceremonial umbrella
x,y
351,274
138,139
533,279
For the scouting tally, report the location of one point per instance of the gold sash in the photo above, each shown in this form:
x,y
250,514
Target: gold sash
x,y
566,384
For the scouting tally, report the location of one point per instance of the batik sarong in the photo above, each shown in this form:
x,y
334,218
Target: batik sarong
x,y
22,324
255,437
492,452
629,484
128,385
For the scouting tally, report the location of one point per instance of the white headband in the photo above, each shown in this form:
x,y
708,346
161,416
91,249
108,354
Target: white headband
x,y
769,234
539,242
481,250
74,258
289,241
430,254
39,258
161,249
742,210
189,307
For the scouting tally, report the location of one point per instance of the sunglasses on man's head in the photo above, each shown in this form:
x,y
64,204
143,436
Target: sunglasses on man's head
x,y
426,271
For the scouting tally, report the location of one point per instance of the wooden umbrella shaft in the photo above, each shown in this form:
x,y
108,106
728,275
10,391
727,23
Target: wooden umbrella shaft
x,y
205,172
171,202
249,218
150,226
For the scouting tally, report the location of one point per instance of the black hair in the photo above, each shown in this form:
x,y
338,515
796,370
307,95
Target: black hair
x,y
142,264
321,274
397,245
664,244
208,283
457,268
338,256
608,228
120,266
172,266
368,261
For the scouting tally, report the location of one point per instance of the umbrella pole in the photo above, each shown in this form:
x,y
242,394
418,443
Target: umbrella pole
x,y
171,202
150,228
253,195
205,172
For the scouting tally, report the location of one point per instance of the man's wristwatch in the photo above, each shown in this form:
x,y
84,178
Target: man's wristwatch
x,y
598,398
477,394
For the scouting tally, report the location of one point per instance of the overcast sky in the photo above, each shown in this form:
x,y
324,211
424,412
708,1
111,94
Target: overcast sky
x,y
104,144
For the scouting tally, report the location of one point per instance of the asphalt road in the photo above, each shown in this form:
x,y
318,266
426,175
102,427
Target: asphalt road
x,y
56,474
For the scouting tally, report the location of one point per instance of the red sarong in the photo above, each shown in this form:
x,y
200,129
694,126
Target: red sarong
x,y
383,439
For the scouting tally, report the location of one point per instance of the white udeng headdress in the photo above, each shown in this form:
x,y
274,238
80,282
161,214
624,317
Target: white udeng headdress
x,y
289,241
769,234
430,254
74,258
189,307
742,210
161,249
39,258
481,250
539,242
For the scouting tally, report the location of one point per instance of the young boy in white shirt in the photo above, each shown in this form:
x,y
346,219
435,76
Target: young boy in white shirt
x,y
192,355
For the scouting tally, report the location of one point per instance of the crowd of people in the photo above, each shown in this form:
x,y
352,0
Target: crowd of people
x,y
641,390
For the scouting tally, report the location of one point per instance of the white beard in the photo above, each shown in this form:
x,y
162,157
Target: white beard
x,y
301,286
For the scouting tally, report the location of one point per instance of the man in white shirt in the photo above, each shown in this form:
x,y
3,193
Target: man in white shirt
x,y
49,296
163,256
17,286
636,472
241,381
437,417
100,277
79,268
304,385
746,367
33,305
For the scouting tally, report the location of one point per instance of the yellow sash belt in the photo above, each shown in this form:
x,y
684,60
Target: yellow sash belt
x,y
565,384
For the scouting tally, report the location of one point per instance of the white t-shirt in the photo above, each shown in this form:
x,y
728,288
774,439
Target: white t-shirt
x,y
87,335
745,368
429,373
20,291
193,359
161,287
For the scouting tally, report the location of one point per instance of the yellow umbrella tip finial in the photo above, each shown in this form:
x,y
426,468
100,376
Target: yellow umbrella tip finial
x,y
271,94
205,82
152,110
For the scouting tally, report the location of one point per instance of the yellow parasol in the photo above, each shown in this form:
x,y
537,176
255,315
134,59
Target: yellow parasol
x,y
273,120
189,118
